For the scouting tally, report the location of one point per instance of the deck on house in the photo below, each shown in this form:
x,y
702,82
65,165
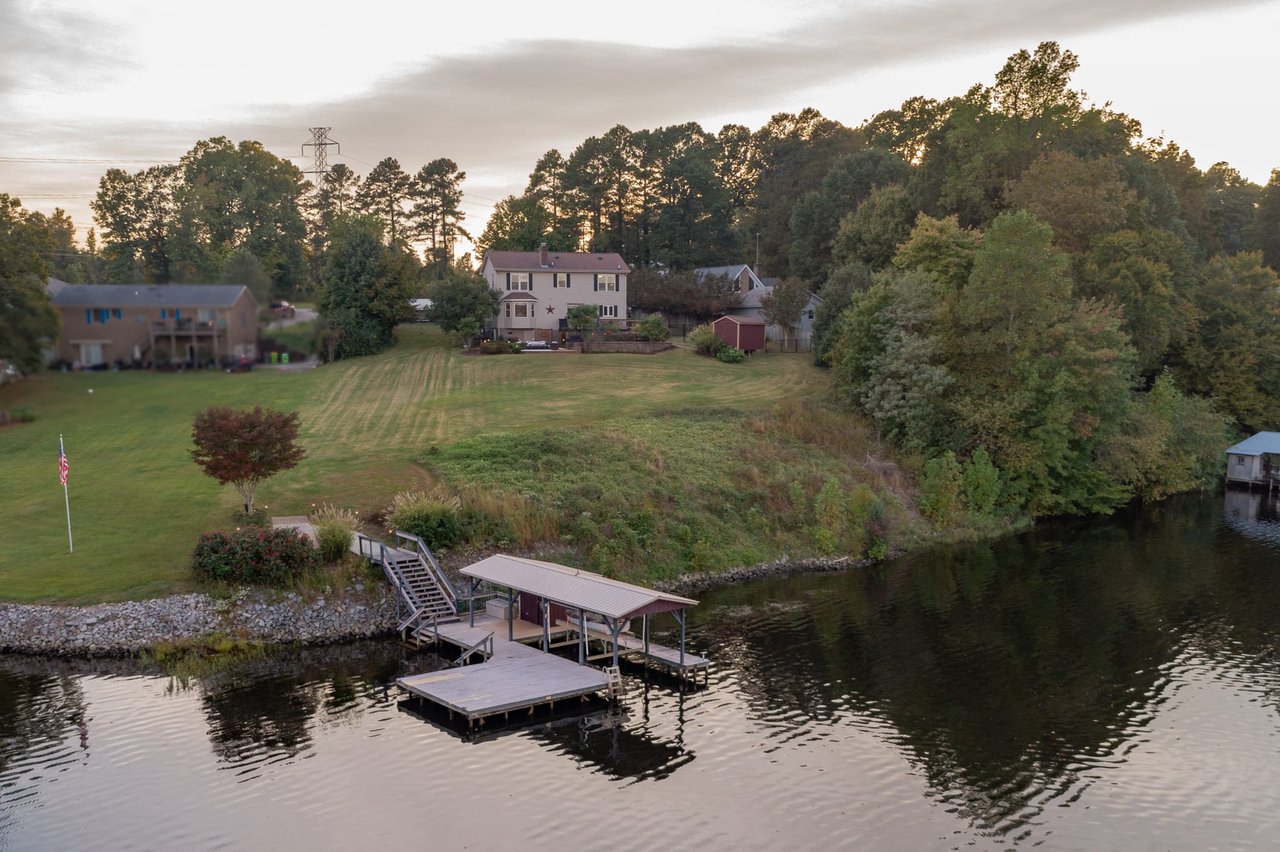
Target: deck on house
x,y
514,677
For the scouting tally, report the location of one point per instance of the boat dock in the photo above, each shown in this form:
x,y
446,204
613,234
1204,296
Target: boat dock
x,y
545,609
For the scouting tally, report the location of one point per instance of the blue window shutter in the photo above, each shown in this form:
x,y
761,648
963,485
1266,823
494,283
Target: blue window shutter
x,y
88,316
177,313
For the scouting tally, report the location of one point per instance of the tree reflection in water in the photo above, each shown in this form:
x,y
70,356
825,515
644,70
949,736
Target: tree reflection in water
x,y
1005,669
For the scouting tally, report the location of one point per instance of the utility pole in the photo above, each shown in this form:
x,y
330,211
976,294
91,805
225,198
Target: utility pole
x,y
320,141
756,270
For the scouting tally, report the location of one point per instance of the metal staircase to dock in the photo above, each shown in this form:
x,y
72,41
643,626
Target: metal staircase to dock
x,y
424,593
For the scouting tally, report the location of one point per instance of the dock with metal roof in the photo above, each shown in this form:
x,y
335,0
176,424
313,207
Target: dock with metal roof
x,y
545,604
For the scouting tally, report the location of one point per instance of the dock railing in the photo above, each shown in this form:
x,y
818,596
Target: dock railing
x,y
428,557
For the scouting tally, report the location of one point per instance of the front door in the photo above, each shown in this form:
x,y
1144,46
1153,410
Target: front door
x,y
530,608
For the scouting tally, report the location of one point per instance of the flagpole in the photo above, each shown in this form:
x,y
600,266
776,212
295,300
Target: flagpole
x,y
62,453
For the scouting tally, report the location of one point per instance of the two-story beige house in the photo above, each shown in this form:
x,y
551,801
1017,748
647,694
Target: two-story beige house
x,y
536,289
154,324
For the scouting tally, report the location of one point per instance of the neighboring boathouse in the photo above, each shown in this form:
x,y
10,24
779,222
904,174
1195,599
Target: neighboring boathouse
x,y
1255,460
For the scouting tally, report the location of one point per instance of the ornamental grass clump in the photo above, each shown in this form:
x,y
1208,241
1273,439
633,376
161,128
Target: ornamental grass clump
x,y
436,518
276,557
334,529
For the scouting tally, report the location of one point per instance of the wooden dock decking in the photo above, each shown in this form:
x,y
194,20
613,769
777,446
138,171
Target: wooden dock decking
x,y
632,647
515,676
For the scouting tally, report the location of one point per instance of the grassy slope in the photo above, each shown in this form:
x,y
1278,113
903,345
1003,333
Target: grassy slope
x,y
138,502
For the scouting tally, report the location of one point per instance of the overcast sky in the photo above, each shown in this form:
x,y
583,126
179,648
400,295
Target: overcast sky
x,y
85,86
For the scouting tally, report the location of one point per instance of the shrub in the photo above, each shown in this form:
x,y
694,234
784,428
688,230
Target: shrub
x,y
334,528
22,414
941,488
433,518
499,347
981,482
652,327
263,557
731,355
705,341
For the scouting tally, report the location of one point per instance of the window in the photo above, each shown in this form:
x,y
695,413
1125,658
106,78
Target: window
x,y
522,309
607,283
1239,461
561,280
519,281
810,314
104,314
608,310
116,313
508,310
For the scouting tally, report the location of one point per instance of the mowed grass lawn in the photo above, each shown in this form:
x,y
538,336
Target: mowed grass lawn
x,y
138,502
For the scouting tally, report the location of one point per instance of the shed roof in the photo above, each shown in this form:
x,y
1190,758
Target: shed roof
x,y
560,261
740,320
572,587
1263,442
145,295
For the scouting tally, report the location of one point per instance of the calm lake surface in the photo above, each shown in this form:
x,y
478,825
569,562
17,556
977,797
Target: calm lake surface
x,y
1100,685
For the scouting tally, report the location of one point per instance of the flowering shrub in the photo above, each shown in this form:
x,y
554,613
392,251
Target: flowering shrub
x,y
260,556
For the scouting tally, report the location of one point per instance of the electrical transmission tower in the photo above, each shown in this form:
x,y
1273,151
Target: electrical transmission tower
x,y
320,141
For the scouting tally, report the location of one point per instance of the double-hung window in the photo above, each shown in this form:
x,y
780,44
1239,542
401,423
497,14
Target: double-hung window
x,y
561,280
607,282
519,281
608,310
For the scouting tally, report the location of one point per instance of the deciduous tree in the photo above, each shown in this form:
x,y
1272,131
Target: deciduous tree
x,y
245,448
27,320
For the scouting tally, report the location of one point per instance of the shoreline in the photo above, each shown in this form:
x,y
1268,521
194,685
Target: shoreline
x,y
364,611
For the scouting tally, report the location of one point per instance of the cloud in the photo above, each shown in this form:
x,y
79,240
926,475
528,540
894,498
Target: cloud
x,y
43,48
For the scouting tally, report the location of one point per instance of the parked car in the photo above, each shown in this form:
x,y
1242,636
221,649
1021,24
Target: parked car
x,y
282,309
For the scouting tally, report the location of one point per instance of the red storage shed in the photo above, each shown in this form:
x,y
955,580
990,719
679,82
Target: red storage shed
x,y
743,332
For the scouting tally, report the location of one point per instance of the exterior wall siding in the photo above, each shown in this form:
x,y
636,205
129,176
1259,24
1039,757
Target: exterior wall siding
x,y
553,303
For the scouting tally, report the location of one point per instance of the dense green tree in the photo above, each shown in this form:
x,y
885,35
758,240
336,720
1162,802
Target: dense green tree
x,y
384,195
1267,224
835,297
366,287
242,267
872,233
462,303
28,321
816,217
1234,354
517,224
1149,274
682,294
136,214
437,212
1081,199
234,196
940,248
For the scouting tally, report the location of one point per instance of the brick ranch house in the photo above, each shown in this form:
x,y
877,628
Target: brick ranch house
x,y
537,288
154,324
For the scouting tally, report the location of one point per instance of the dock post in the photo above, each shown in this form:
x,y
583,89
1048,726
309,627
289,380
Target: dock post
x,y
511,616
546,626
615,625
680,618
645,627
582,637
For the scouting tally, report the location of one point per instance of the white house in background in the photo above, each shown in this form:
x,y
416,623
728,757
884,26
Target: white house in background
x,y
752,288
536,289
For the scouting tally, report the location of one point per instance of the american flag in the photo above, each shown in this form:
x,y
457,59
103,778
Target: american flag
x,y
63,467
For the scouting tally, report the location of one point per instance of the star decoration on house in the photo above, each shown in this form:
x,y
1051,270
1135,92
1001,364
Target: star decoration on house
x,y
551,309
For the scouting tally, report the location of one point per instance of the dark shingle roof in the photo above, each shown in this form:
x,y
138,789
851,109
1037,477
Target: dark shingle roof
x,y
145,295
560,261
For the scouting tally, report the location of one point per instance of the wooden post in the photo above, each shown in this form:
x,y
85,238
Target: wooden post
x,y
582,637
546,625
471,602
680,618
511,615
645,628
615,625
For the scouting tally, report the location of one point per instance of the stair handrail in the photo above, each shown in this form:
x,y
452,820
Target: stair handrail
x,y
487,640
425,552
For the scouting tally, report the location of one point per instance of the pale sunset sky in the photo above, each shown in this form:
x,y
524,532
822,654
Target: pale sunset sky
x,y
85,86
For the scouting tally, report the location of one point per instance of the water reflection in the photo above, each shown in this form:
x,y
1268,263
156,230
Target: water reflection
x,y
1255,514
1007,671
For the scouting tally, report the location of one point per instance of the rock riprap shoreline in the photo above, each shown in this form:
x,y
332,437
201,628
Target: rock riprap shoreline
x,y
125,628
364,611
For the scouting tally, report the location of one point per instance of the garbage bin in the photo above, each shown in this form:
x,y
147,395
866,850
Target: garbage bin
x,y
284,357
275,357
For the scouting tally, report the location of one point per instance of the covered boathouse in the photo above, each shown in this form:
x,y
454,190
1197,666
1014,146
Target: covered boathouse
x,y
1255,460
539,607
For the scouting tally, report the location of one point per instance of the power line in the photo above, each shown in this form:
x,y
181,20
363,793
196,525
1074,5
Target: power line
x,y
78,160
320,142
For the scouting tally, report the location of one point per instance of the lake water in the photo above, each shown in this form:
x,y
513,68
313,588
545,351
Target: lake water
x,y
1097,685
